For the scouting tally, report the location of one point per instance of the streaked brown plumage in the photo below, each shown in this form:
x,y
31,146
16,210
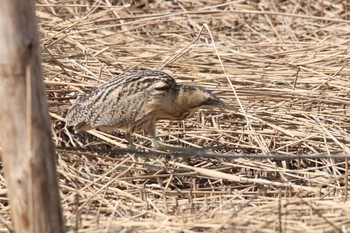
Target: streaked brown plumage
x,y
135,101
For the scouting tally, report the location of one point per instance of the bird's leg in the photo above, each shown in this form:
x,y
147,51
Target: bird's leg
x,y
155,143
133,147
129,139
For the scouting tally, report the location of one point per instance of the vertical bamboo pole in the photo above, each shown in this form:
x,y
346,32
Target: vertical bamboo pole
x,y
25,136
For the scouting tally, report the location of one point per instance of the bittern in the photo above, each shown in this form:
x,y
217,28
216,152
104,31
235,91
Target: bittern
x,y
136,101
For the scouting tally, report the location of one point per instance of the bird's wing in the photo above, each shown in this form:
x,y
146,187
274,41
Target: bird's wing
x,y
134,98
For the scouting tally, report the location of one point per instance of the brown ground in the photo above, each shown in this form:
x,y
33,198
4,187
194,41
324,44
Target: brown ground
x,y
288,63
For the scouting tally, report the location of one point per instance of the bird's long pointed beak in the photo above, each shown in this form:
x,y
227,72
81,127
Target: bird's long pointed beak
x,y
224,106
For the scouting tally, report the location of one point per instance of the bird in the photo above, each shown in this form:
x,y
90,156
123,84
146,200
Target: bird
x,y
136,101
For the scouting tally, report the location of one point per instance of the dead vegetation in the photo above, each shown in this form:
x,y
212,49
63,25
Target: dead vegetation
x,y
283,64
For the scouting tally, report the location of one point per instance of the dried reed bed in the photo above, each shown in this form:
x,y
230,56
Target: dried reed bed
x,y
283,64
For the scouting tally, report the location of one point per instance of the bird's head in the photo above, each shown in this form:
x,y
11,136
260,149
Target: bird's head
x,y
199,98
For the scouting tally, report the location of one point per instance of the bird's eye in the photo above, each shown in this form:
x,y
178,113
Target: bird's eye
x,y
210,101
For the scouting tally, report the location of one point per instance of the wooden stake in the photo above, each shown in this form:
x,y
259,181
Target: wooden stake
x,y
27,148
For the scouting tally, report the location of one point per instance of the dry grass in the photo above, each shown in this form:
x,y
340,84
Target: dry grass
x,y
284,64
